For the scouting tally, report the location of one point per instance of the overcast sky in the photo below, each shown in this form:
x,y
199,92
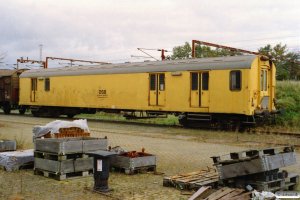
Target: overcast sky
x,y
111,30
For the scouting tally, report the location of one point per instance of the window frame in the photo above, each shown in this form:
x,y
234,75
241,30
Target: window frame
x,y
205,81
231,80
264,80
47,84
153,82
194,85
162,82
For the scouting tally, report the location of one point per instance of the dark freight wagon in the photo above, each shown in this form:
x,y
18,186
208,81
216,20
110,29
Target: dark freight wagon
x,y
9,90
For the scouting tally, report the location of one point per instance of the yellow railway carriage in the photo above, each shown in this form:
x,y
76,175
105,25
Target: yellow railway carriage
x,y
222,90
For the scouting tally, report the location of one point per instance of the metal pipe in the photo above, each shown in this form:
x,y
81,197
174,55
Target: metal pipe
x,y
71,60
218,46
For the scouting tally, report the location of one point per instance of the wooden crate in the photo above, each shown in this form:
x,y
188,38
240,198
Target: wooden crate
x,y
62,146
8,145
132,164
62,166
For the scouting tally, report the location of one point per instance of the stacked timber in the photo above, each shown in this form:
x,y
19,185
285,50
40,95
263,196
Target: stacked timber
x,y
260,169
193,180
65,157
223,193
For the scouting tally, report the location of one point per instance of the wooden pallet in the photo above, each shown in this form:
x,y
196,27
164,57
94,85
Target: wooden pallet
x,y
193,180
144,169
224,193
60,177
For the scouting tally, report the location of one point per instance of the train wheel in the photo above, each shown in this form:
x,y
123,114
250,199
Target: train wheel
x,y
70,115
182,119
6,108
22,110
35,113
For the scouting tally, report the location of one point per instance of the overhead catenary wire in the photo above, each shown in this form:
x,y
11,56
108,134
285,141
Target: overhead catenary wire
x,y
140,49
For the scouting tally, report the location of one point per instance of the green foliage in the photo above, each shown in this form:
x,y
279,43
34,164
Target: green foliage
x,y
169,120
180,52
185,51
288,98
287,63
206,51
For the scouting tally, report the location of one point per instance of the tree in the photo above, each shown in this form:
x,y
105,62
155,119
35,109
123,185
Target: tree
x,y
202,51
287,63
182,52
206,51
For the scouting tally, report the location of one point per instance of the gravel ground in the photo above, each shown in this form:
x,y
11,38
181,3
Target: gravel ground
x,y
178,150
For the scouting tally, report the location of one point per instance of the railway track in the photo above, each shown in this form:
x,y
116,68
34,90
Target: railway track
x,y
292,134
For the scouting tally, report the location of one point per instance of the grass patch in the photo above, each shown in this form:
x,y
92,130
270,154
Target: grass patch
x,y
20,142
169,120
288,99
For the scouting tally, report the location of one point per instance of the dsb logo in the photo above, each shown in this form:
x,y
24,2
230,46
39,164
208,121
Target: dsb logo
x,y
102,93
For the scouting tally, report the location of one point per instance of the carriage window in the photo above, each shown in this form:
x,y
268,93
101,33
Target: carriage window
x,y
205,77
161,82
47,84
152,82
194,81
33,84
235,80
263,80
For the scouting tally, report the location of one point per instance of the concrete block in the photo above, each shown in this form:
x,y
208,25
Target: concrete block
x,y
8,145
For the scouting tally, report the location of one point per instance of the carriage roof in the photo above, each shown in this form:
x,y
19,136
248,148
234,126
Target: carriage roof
x,y
215,63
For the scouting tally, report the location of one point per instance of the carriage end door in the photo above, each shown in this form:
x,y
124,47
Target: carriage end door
x,y
199,89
